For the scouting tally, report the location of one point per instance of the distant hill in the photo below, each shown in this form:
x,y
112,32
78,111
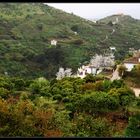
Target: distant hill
x,y
26,31
121,18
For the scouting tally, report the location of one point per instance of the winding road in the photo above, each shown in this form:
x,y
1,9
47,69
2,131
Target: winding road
x,y
115,75
113,30
136,90
106,37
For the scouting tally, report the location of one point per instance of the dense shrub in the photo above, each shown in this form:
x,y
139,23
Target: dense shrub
x,y
97,102
87,125
4,92
40,86
133,128
57,97
125,95
117,83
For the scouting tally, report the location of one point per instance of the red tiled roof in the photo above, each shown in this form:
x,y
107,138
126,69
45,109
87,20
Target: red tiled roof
x,y
133,60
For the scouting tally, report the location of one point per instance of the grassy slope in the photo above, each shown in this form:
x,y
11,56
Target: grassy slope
x,y
26,31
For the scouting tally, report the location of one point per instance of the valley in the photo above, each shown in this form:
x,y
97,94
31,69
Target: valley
x,y
65,76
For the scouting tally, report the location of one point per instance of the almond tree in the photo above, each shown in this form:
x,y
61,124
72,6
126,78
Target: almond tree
x,y
63,73
68,72
121,70
96,61
108,61
101,61
60,74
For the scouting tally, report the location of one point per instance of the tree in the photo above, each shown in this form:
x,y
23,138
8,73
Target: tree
x,y
118,83
133,128
60,74
96,102
4,92
124,94
108,61
106,85
40,86
90,78
68,72
19,83
136,70
110,23
97,60
87,125
63,73
121,70
101,61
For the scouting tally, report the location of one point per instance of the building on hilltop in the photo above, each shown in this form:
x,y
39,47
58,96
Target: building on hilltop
x,y
119,14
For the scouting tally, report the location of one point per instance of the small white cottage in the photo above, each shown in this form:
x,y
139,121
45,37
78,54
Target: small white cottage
x,y
75,33
54,42
112,48
89,69
131,62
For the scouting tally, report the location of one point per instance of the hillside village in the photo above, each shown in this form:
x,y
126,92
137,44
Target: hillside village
x,y
99,65
110,71
65,76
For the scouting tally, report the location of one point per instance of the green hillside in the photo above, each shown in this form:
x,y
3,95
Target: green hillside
x,y
26,31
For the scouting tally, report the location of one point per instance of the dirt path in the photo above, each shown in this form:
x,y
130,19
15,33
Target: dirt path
x,y
106,37
136,90
115,75
113,30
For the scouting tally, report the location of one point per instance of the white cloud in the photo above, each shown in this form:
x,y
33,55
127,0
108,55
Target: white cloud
x,y
99,10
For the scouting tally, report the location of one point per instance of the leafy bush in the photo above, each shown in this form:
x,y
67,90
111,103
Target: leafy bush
x,y
106,85
57,97
40,86
125,95
90,78
117,84
133,128
99,86
87,125
4,92
88,87
66,99
97,102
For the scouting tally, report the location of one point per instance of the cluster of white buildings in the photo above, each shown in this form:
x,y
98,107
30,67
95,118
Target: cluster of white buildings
x,y
88,69
132,61
91,69
97,64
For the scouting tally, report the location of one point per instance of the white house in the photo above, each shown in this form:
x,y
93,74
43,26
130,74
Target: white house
x,y
6,73
116,21
89,69
131,62
112,48
94,21
75,33
132,50
54,42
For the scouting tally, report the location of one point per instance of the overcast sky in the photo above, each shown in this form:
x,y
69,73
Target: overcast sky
x,y
99,10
